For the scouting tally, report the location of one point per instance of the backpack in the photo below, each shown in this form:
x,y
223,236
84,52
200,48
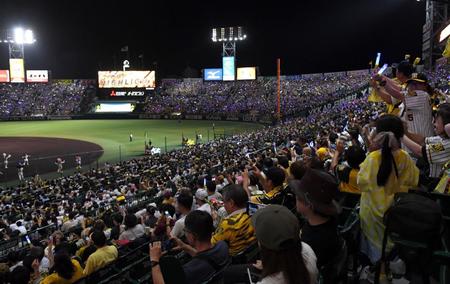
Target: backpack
x,y
415,218
414,223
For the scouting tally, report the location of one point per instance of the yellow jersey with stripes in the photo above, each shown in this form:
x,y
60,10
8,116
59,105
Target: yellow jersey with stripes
x,y
237,230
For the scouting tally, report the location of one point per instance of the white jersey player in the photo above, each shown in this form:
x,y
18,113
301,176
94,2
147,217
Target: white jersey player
x,y
26,159
59,163
5,159
20,171
78,162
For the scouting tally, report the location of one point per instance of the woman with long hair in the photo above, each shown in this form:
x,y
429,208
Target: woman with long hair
x,y
284,258
386,170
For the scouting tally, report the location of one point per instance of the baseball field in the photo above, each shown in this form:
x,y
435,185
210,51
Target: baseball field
x,y
97,141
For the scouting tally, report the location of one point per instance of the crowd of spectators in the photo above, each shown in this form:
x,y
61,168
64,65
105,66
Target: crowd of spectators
x,y
250,97
39,99
217,201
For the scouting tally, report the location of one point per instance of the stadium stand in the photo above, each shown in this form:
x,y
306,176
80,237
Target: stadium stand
x,y
45,220
57,98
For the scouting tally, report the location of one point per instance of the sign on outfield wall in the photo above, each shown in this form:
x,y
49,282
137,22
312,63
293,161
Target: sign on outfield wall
x,y
246,73
4,76
16,70
126,79
37,76
213,74
229,72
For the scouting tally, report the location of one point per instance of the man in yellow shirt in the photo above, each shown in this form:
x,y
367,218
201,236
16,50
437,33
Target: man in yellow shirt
x,y
236,229
102,256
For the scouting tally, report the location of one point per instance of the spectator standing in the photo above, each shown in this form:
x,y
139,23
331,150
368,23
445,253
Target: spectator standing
x,y
387,170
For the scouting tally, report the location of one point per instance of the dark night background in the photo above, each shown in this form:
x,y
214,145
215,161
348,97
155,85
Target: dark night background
x,y
77,38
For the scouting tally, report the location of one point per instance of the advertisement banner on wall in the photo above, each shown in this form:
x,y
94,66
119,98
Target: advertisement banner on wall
x,y
37,76
228,68
246,73
16,70
4,76
213,74
126,79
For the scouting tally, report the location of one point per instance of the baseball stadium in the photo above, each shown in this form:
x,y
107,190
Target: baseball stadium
x,y
156,142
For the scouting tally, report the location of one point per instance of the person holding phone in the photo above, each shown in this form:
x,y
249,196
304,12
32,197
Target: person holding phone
x,y
207,258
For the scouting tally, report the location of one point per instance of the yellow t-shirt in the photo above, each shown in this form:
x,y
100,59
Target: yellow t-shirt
x,y
375,200
100,258
237,231
267,198
54,278
352,185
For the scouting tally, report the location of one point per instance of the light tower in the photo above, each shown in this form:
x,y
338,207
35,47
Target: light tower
x,y
16,39
228,36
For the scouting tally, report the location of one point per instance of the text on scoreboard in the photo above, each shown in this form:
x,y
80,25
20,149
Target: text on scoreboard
x,y
126,79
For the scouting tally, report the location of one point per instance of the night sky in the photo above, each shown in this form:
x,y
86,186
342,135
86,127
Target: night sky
x,y
77,38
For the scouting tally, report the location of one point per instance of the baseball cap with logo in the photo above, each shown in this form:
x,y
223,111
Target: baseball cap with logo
x,y
276,227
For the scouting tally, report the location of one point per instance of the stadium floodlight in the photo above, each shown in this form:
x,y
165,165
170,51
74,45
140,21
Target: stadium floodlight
x,y
16,39
228,37
228,34
29,37
21,36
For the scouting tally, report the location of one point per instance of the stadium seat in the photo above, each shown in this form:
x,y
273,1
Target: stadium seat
x,y
172,270
128,259
140,270
335,271
351,233
101,274
217,278
249,255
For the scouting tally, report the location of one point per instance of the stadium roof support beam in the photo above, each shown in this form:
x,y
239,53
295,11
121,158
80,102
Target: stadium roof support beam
x,y
437,14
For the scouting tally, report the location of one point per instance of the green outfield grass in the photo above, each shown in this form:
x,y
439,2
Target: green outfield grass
x,y
110,134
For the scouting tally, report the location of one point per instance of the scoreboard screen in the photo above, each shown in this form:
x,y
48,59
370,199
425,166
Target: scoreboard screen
x,y
114,107
126,79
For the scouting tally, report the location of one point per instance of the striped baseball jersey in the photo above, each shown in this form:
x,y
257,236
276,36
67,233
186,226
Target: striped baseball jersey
x,y
236,230
418,114
437,152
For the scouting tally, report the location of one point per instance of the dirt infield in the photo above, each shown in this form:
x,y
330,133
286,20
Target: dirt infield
x,y
43,153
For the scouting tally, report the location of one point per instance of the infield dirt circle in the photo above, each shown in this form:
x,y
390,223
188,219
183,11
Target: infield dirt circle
x,y
43,154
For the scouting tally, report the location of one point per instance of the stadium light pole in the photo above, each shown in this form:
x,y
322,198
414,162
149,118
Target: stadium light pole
x,y
228,36
16,39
